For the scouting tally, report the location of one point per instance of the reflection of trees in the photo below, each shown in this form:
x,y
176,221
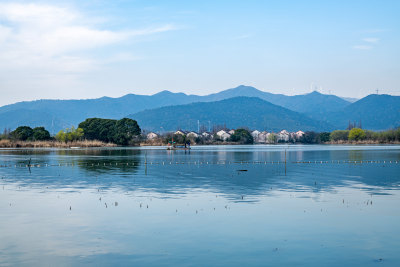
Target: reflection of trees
x,y
104,160
243,156
356,155
113,168
24,155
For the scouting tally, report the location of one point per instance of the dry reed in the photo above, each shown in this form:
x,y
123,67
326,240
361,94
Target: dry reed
x,y
5,143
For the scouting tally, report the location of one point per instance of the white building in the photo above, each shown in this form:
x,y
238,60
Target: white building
x,y
231,132
179,132
192,135
283,136
223,135
299,134
262,137
151,135
206,134
255,134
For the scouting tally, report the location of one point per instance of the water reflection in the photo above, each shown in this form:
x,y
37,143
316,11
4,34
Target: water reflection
x,y
231,172
212,206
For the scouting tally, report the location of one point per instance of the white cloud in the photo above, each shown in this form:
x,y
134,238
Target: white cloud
x,y
47,37
371,40
362,47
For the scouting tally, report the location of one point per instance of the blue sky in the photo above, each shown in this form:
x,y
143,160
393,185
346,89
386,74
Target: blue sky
x,y
87,49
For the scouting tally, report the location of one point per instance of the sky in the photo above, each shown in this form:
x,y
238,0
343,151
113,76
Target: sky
x,y
94,48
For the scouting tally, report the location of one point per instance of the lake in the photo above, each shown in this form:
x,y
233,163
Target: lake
x,y
315,205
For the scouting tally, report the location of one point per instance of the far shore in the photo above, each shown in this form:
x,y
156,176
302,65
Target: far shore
x,y
94,143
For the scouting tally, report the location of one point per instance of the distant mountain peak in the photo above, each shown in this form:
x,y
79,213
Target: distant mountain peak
x,y
167,93
163,92
245,87
315,92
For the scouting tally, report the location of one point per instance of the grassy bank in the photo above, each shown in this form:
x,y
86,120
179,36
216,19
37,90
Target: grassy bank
x,y
6,143
362,142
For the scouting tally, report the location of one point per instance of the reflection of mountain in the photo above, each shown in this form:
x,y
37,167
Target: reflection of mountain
x,y
112,169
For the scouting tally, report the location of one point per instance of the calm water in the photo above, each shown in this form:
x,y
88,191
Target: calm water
x,y
219,206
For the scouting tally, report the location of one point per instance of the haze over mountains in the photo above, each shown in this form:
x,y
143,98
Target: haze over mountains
x,y
258,109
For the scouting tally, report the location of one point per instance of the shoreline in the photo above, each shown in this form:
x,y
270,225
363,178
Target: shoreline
x,y
53,144
94,143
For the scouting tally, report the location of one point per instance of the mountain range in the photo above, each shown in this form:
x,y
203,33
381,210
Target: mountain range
x,y
251,112
313,111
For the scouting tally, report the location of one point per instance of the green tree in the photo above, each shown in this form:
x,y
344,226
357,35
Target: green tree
x,y
324,137
242,136
121,132
125,130
23,133
272,138
340,135
310,138
61,136
69,135
41,134
357,134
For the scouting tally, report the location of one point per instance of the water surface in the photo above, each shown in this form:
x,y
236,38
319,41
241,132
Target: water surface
x,y
215,205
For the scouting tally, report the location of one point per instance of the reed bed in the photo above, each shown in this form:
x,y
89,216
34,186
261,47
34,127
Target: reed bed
x,y
5,143
362,142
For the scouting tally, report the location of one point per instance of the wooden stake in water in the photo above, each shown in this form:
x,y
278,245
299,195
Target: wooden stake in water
x,y
145,162
285,162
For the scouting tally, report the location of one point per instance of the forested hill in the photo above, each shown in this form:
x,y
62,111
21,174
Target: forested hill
x,y
58,114
374,112
251,112
311,103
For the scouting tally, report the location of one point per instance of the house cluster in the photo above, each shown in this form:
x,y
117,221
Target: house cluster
x,y
259,137
282,136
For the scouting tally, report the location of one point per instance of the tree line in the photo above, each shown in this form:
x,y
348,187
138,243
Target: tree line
x,y
121,132
26,133
127,132
355,134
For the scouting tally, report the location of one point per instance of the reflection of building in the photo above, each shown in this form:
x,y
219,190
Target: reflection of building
x,y
222,155
152,135
223,135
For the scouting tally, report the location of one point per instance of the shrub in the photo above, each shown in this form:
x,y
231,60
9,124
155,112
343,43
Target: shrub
x,y
41,134
357,134
69,135
22,133
339,135
242,136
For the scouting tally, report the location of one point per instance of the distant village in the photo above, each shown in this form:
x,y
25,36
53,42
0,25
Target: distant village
x,y
225,135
